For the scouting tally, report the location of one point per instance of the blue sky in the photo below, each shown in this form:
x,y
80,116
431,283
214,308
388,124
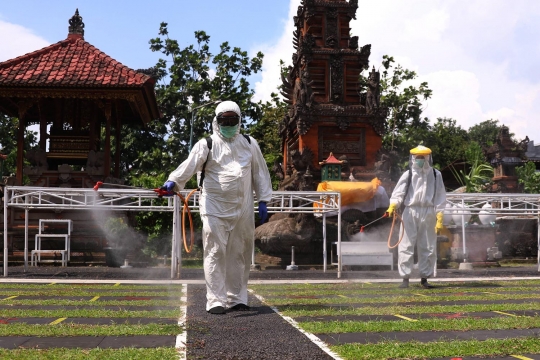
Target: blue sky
x,y
480,57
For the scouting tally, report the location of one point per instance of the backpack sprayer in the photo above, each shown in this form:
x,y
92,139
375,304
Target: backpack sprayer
x,y
396,216
185,209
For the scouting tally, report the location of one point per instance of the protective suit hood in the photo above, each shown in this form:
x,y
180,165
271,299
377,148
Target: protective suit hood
x,y
224,107
420,151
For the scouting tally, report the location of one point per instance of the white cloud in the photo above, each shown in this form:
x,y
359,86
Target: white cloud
x,y
16,40
273,53
480,56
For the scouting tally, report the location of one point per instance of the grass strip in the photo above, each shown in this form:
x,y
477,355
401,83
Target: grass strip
x,y
85,313
464,324
90,286
392,286
397,292
86,302
311,310
161,353
454,349
414,299
82,292
64,330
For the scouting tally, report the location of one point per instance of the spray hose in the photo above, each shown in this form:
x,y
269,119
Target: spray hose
x,y
396,216
185,209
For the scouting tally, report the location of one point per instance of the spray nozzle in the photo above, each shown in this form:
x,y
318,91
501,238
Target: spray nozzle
x,y
362,229
98,184
162,192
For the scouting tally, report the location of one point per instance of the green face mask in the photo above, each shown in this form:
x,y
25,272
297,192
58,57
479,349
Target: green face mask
x,y
228,131
420,162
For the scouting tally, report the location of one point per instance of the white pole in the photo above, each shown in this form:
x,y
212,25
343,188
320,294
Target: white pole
x,y
463,230
179,225
26,237
173,245
324,240
6,196
339,235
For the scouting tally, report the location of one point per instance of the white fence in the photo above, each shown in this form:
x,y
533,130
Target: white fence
x,y
133,199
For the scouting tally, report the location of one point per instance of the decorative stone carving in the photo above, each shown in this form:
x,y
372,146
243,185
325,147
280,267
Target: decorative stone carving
x,y
332,34
64,175
308,42
336,79
373,96
38,162
343,123
353,43
76,25
301,160
277,169
378,122
95,162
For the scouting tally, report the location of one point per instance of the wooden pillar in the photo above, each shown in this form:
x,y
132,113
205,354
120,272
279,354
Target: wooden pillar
x,y
107,160
42,128
20,151
92,129
117,136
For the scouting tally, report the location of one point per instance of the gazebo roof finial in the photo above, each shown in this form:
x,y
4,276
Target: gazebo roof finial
x,y
76,25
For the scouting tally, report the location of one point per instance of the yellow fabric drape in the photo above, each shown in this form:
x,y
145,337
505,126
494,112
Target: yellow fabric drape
x,y
351,191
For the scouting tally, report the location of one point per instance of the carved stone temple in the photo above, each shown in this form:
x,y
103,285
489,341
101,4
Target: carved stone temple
x,y
505,155
330,111
79,98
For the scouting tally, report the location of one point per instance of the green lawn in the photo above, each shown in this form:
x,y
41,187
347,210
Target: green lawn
x,y
132,301
307,300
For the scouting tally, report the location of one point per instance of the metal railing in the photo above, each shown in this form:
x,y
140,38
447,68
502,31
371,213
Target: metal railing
x,y
41,198
522,206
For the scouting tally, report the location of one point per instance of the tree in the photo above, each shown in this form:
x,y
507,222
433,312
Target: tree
x,y
529,178
194,76
403,100
480,173
447,140
266,131
8,142
485,133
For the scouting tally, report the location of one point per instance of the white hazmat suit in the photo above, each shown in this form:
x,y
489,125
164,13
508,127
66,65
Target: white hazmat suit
x,y
425,198
234,170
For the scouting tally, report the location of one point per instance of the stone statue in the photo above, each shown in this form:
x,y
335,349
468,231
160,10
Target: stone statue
x,y
373,91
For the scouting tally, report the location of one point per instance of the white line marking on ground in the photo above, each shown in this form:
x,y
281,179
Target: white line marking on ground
x,y
181,339
321,344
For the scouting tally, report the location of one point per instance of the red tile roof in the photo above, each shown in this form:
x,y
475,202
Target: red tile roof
x,y
331,160
69,63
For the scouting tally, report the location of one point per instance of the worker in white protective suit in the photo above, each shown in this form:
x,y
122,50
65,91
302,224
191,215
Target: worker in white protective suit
x,y
234,168
421,191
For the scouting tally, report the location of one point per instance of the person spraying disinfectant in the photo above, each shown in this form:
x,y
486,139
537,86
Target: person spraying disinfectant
x,y
232,168
421,191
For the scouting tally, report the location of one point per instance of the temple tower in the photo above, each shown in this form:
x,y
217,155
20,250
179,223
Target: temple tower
x,y
330,109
